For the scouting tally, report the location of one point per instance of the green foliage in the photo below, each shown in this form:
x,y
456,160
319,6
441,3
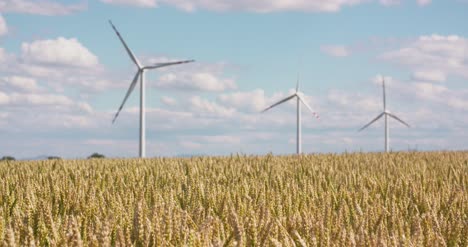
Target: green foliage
x,y
7,158
398,199
54,158
96,156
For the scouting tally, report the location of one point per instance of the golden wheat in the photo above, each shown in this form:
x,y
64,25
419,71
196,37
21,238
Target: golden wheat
x,y
398,199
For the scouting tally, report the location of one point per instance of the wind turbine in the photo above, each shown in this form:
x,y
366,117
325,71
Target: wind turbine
x,y
140,75
300,98
385,114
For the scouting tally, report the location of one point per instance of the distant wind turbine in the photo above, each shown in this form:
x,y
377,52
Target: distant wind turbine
x,y
140,75
300,98
385,114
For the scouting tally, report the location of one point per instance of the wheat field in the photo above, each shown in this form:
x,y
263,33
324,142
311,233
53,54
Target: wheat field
x,y
397,199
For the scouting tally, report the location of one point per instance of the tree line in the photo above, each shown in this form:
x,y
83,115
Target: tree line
x,y
92,156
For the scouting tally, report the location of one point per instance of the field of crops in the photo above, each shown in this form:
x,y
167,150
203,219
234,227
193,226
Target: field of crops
x,y
399,199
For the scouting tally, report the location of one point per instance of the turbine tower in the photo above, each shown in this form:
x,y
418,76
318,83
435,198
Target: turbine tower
x,y
140,75
300,98
385,114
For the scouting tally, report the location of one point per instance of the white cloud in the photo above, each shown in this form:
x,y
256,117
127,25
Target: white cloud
x,y
61,77
354,101
3,55
434,94
61,63
24,84
4,98
389,2
61,51
429,90
40,99
197,81
85,107
458,103
3,26
198,76
24,93
444,54
98,83
190,145
397,2
137,3
168,101
441,95
100,142
430,75
199,126
164,115
41,7
423,2
216,139
335,50
34,113
251,101
261,6
207,108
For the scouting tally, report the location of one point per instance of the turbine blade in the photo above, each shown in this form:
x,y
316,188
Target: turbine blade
x,y
384,94
130,90
280,102
159,65
398,119
130,53
373,121
297,83
308,106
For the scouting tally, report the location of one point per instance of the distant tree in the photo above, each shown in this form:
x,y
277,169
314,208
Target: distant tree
x,y
96,156
54,158
7,158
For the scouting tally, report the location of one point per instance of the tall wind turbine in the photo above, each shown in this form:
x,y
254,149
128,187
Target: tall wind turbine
x,y
140,75
300,98
385,114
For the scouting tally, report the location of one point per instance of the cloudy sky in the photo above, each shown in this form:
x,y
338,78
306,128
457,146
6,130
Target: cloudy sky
x,y
63,74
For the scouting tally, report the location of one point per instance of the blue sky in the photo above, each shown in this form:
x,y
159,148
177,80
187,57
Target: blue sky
x,y
64,73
